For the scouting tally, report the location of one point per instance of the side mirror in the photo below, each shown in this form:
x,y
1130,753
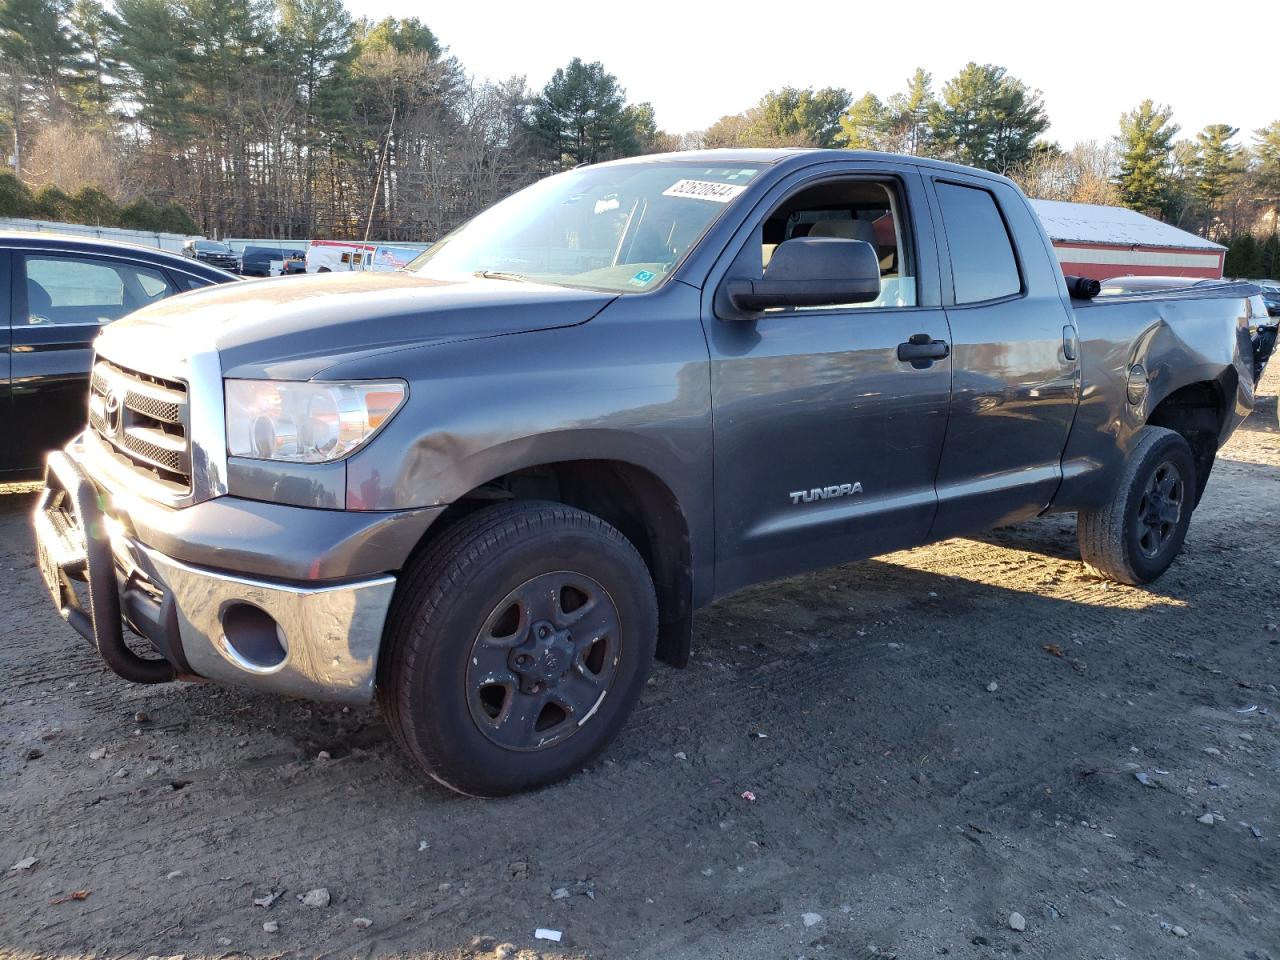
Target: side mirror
x,y
812,272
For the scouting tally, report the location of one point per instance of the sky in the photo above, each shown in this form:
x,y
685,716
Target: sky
x,y
697,61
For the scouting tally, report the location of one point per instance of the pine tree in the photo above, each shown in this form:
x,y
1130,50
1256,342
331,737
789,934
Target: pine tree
x,y
987,118
36,58
1269,256
314,46
313,37
1146,145
1266,158
579,116
910,112
865,125
1244,257
154,45
794,116
410,35
642,122
898,125
1217,165
93,31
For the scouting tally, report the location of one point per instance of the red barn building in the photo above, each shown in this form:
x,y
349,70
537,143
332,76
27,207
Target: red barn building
x,y
1102,242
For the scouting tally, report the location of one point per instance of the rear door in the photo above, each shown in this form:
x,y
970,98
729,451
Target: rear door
x,y
59,303
825,442
1016,380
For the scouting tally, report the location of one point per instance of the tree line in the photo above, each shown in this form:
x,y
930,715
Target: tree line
x,y
984,117
292,118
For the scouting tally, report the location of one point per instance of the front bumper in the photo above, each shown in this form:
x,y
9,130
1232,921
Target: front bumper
x,y
313,640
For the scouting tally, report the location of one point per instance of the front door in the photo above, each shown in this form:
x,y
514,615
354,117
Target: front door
x,y
825,442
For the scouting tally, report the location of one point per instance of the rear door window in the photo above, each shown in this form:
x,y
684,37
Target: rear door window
x,y
63,290
983,265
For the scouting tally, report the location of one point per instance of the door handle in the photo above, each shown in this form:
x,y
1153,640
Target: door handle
x,y
1069,342
921,350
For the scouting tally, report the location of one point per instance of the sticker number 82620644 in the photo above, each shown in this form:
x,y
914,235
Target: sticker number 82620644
x,y
704,190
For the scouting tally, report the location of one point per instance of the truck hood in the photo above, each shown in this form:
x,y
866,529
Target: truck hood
x,y
291,328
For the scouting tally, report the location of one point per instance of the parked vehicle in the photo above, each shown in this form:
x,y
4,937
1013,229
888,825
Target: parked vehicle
x,y
340,256
270,261
488,490
56,292
213,253
1267,329
1271,297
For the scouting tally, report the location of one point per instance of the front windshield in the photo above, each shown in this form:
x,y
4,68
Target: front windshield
x,y
620,228
212,246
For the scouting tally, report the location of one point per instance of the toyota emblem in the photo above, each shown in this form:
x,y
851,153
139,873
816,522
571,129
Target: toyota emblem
x,y
115,413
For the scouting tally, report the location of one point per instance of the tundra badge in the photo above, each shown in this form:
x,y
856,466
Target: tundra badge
x,y
825,493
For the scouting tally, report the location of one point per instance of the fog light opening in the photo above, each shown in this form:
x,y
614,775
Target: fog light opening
x,y
252,638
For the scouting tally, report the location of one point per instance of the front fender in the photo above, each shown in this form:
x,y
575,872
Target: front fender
x,y
632,386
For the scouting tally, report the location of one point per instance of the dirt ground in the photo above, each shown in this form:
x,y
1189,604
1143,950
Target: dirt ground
x,y
933,739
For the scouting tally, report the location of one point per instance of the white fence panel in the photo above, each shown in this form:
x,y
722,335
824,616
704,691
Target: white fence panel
x,y
164,241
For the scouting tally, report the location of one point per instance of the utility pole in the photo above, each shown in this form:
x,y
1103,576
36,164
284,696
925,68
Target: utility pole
x,y
377,183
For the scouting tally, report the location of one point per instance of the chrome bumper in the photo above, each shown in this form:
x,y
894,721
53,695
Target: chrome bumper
x,y
327,637
319,641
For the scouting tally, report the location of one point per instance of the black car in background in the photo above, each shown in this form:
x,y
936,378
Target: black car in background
x,y
256,261
1271,296
212,252
56,292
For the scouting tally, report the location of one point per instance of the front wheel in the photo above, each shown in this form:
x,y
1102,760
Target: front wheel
x,y
1136,537
517,646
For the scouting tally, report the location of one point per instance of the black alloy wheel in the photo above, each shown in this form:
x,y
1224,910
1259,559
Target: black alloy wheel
x,y
543,661
1160,509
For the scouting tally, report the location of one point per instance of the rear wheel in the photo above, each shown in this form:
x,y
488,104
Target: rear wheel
x,y
517,646
1136,537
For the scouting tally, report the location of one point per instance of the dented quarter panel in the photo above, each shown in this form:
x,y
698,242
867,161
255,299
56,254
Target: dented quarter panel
x,y
1196,335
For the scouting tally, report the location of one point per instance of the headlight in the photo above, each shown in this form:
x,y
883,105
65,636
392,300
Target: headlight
x,y
306,422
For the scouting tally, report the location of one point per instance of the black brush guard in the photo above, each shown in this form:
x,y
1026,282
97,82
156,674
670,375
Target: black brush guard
x,y
72,545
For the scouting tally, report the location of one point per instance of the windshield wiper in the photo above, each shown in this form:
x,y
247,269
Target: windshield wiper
x,y
500,275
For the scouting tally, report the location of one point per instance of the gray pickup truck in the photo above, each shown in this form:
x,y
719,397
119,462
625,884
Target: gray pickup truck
x,y
491,488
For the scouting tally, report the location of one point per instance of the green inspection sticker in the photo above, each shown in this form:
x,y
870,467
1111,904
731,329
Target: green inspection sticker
x,y
642,278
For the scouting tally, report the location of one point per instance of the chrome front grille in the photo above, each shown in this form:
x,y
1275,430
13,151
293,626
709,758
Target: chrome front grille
x,y
144,420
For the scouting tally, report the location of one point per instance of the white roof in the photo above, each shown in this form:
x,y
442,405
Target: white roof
x,y
1095,223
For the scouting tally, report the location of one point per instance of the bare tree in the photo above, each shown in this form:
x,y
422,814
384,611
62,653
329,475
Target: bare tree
x,y
66,155
1084,174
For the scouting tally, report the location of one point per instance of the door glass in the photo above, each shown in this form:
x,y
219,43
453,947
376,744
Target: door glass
x,y
72,290
852,210
982,261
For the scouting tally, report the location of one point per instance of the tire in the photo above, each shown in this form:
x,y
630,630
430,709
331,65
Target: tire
x,y
516,647
1136,537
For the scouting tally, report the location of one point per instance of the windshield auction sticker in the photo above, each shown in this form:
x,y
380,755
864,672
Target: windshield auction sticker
x,y
704,190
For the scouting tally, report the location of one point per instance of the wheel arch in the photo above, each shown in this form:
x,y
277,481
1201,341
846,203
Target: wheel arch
x,y
1198,412
630,497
